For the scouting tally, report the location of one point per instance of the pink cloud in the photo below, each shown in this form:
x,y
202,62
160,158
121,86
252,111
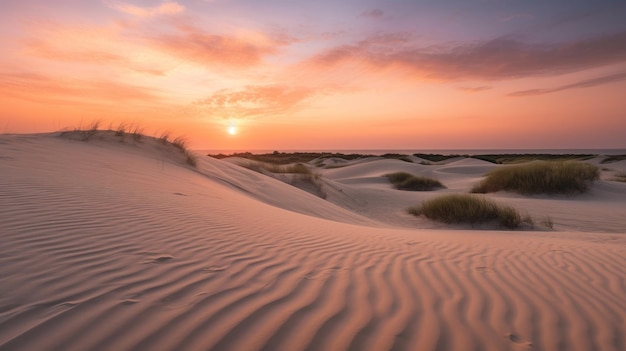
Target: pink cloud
x,y
197,45
61,90
86,55
256,100
166,8
497,59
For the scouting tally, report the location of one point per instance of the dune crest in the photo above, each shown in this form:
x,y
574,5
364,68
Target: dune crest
x,y
110,246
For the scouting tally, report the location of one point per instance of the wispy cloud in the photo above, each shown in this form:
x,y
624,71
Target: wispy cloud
x,y
61,90
476,89
165,8
373,14
258,100
497,59
589,83
206,48
87,55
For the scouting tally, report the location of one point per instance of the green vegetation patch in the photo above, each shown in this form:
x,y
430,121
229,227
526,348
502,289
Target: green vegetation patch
x,y
465,208
407,181
540,177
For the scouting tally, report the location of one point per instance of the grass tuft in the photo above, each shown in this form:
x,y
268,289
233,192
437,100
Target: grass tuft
x,y
464,208
137,132
164,138
121,130
407,181
540,177
181,143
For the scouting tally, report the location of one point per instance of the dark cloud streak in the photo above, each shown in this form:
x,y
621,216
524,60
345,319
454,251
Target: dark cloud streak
x,y
582,84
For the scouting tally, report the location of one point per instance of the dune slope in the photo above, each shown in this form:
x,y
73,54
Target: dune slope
x,y
112,246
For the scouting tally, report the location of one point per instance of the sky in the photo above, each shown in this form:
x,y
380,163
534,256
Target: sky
x,y
321,75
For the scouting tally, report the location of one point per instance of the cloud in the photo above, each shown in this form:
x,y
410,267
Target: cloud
x,y
373,14
165,8
498,59
61,90
476,89
255,100
86,55
195,44
589,83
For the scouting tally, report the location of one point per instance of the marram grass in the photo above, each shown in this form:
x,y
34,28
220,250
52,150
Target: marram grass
x,y
407,181
465,208
540,177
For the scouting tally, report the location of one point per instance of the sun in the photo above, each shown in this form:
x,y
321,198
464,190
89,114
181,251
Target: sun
x,y
232,127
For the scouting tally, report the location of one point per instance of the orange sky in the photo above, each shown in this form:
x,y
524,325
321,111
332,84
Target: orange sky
x,y
301,75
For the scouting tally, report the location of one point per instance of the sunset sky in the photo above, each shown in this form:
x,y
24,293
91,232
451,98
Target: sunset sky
x,y
293,74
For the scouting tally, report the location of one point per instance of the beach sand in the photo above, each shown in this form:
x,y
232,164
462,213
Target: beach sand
x,y
109,245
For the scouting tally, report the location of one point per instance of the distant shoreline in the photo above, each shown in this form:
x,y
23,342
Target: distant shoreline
x,y
468,152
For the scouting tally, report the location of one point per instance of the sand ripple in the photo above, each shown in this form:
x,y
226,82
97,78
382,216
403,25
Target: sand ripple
x,y
120,261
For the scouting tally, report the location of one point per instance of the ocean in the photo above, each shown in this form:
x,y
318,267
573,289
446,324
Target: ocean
x,y
469,152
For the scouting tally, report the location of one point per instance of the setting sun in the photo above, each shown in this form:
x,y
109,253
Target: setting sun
x,y
232,128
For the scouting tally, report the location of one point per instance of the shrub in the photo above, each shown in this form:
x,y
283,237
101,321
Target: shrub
x,y
407,181
464,208
540,177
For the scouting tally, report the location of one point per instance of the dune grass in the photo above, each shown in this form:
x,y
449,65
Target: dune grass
x,y
407,181
182,144
297,168
540,177
301,176
137,132
465,208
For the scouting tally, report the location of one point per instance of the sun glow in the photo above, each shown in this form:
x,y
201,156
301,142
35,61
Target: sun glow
x,y
232,128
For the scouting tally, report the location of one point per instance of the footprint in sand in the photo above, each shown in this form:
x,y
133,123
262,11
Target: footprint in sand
x,y
159,259
518,340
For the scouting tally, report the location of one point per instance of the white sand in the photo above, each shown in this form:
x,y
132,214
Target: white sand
x,y
121,246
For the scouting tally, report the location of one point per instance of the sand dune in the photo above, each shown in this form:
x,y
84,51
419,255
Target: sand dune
x,y
121,246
